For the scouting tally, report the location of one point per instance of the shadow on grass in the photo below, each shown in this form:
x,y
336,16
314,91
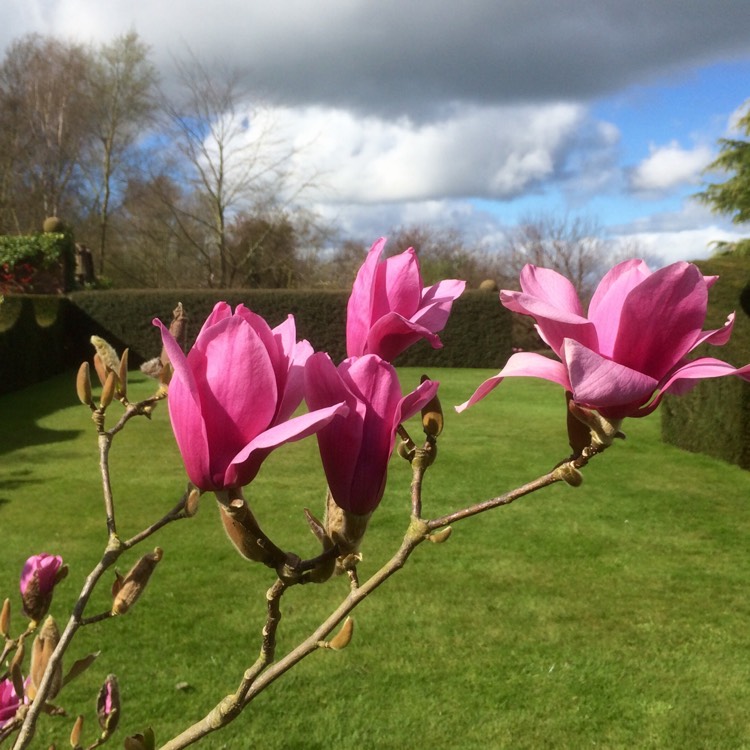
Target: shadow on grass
x,y
22,410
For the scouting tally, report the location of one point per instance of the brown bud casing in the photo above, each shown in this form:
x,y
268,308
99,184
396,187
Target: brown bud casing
x,y
108,391
41,651
83,384
75,733
127,590
345,530
244,531
344,637
5,619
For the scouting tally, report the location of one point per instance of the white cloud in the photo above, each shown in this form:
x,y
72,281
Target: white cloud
x,y
668,167
490,152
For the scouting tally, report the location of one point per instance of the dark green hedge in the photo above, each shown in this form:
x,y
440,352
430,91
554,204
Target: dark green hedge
x,y
714,418
478,332
32,339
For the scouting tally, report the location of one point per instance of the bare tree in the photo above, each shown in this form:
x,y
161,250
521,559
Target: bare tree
x,y
573,246
123,86
46,105
229,159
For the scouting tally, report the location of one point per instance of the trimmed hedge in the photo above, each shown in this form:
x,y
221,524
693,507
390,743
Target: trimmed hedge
x,y
714,418
478,333
41,336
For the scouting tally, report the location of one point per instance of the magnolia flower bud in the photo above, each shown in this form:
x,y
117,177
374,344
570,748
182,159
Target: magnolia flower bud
x,y
41,651
40,575
127,590
108,705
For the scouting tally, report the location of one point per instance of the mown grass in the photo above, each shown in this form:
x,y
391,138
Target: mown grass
x,y
615,615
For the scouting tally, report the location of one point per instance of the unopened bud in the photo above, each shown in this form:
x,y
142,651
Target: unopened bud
x,y
568,473
75,733
440,536
432,414
107,355
5,619
108,705
145,741
127,590
83,384
41,651
122,376
108,391
192,501
343,638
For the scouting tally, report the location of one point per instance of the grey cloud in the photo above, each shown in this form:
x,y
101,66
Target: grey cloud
x,y
393,57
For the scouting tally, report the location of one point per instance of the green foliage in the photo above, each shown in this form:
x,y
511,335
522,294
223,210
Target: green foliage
x,y
714,418
732,196
46,248
613,615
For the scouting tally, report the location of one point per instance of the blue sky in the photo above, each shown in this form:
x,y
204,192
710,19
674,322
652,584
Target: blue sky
x,y
470,115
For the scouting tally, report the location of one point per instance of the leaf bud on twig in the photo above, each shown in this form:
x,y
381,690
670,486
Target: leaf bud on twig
x,y
343,638
108,391
75,733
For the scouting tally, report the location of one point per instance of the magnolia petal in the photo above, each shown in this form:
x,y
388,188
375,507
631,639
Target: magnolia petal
x,y
359,306
718,336
247,462
661,319
295,383
392,334
522,364
606,304
555,324
398,286
598,382
239,393
190,433
551,287
436,304
410,404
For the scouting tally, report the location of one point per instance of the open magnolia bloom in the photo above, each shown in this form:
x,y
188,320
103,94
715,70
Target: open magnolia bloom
x,y
356,446
630,349
388,309
231,398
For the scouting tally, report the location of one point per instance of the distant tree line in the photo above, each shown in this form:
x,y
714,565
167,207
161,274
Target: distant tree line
x,y
189,185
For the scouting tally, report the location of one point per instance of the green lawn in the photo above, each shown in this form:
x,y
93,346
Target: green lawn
x,y
614,615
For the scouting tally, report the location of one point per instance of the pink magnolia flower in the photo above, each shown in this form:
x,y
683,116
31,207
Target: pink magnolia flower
x,y
38,578
630,349
231,398
9,702
388,309
355,447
